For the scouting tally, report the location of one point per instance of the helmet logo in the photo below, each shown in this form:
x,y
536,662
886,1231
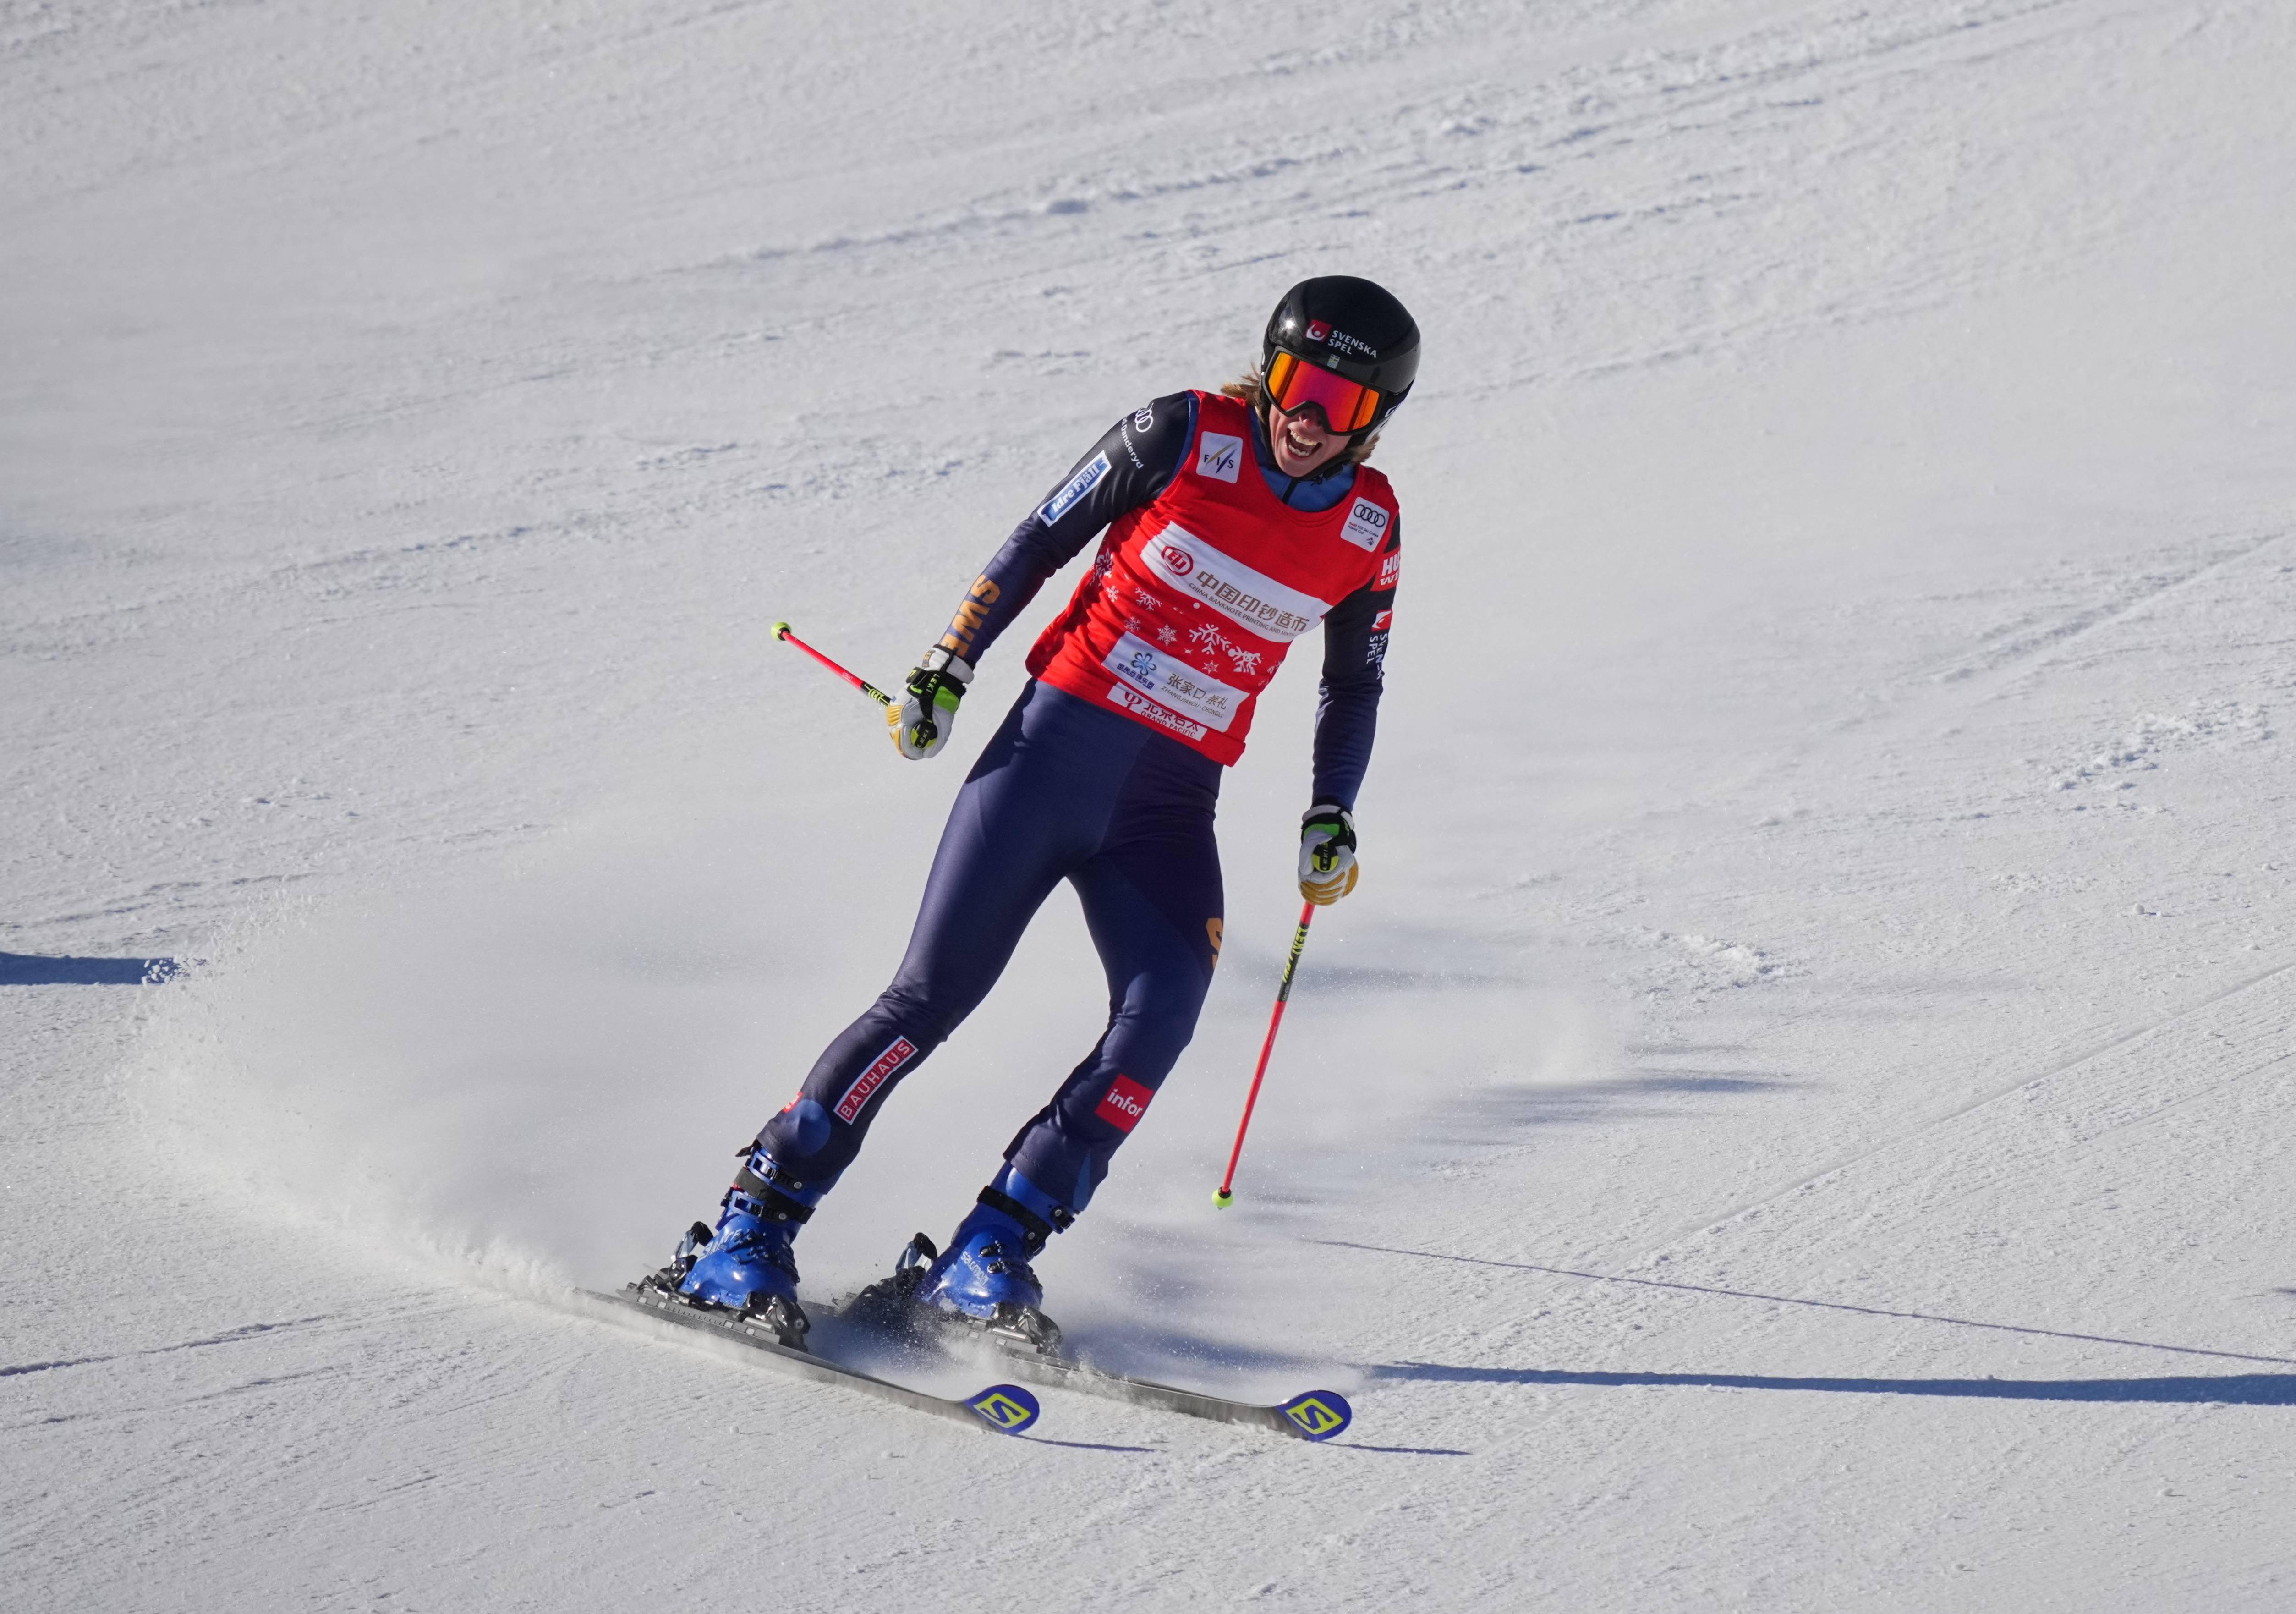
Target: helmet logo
x,y
1319,331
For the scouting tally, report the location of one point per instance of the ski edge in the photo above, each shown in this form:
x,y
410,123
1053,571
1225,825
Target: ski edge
x,y
1316,1415
1004,1409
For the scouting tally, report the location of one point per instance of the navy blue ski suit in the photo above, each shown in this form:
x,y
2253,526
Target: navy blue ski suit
x,y
1071,790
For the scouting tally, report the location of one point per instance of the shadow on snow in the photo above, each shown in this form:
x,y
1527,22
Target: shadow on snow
x,y
2238,1390
1864,1311
36,969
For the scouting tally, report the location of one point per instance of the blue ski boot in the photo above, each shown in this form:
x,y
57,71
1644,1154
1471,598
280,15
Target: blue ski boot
x,y
745,1264
985,1276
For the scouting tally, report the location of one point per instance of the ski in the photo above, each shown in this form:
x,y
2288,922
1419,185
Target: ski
x,y
1315,1414
1033,1353
1007,1409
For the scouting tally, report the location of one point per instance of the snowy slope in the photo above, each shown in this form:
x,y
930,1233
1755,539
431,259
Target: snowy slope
x,y
1796,1115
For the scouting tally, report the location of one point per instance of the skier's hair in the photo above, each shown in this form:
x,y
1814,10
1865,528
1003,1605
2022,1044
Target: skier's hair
x,y
1251,388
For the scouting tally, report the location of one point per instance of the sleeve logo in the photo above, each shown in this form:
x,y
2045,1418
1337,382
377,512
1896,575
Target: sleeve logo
x,y
1219,457
1084,481
1390,569
1367,527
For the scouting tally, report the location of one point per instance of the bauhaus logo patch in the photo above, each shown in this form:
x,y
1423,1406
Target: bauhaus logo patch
x,y
879,1072
1124,1103
1219,457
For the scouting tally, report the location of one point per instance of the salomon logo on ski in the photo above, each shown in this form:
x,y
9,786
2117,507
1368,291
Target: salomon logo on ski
x,y
1320,1413
1006,1408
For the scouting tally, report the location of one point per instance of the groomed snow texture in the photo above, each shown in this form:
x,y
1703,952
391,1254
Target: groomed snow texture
x,y
1799,1114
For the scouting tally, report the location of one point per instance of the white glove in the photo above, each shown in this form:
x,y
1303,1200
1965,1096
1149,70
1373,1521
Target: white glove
x,y
1327,853
923,719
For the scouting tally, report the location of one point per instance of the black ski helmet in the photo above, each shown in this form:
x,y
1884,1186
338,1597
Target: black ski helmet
x,y
1351,326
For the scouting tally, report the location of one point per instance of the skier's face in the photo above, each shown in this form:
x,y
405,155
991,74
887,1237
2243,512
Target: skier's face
x,y
1304,443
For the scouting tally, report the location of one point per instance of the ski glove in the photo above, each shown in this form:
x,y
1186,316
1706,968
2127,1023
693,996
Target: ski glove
x,y
923,718
1327,853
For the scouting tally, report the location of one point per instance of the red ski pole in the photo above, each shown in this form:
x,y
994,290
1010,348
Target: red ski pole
x,y
782,631
1225,1196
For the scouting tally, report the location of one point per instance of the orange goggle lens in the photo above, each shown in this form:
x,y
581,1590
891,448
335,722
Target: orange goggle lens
x,y
1347,406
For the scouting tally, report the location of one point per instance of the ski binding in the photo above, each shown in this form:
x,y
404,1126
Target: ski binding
x,y
1029,1343
1007,1409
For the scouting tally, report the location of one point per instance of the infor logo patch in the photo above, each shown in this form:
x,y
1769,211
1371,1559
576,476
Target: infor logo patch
x,y
1124,1103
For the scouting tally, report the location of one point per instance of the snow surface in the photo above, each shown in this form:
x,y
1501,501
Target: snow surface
x,y
1796,1116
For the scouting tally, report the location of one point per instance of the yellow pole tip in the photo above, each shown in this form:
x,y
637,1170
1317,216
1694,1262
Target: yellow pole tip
x,y
781,630
1222,1198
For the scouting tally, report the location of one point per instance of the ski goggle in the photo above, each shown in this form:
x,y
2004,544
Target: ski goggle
x,y
1293,384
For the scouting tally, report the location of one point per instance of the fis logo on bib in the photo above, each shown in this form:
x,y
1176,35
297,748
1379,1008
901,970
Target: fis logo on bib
x,y
1086,479
1219,457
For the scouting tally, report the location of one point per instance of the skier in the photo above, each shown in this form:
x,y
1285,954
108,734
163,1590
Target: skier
x,y
1236,521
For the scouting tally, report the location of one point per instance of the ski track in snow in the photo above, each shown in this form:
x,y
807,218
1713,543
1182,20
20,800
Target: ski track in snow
x,y
1795,1116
